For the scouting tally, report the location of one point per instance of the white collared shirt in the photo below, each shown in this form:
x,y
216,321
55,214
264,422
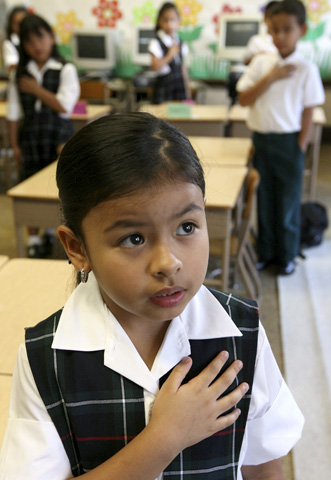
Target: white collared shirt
x,y
9,51
261,43
32,449
67,94
279,108
154,47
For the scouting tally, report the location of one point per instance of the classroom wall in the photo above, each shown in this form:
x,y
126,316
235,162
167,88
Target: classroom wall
x,y
199,21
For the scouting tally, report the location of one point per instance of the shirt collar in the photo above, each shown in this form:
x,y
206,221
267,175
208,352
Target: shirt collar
x,y
86,324
296,55
51,63
167,39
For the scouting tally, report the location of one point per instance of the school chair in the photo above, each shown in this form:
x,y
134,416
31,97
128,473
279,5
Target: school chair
x,y
242,249
95,91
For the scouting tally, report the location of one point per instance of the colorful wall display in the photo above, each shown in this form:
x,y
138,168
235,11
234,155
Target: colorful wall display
x,y
199,25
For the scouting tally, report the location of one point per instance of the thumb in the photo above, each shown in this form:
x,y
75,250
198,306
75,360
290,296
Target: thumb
x,y
178,374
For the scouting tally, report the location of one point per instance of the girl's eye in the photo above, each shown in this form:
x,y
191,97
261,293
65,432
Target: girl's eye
x,y
132,240
186,228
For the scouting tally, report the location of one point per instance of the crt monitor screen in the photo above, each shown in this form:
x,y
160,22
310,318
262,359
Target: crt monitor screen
x,y
235,30
94,49
91,46
142,36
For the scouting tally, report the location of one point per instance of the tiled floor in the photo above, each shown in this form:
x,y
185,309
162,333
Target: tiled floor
x,y
269,306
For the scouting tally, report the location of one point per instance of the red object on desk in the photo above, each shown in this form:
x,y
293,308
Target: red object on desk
x,y
80,108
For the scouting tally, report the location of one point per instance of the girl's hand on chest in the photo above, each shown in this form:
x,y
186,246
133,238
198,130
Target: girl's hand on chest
x,y
28,84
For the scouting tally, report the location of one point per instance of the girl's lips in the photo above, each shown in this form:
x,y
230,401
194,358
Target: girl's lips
x,y
168,297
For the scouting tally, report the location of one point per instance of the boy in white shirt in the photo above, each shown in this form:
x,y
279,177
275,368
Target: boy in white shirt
x,y
282,91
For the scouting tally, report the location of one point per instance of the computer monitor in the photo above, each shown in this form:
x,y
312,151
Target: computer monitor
x,y
95,49
234,32
142,35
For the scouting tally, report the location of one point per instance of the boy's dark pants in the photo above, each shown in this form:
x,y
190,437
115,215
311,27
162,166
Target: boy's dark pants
x,y
280,162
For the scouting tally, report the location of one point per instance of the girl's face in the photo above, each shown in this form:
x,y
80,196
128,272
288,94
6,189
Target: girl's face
x,y
169,21
16,20
149,252
39,46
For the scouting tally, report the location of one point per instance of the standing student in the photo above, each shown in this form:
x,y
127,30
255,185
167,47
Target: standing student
x,y
167,53
11,44
91,387
40,102
282,91
263,42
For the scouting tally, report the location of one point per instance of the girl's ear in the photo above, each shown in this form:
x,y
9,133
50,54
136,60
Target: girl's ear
x,y
74,248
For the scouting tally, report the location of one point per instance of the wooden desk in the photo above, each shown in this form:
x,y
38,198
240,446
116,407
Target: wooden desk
x,y
223,189
3,260
238,116
93,112
30,291
5,385
206,120
35,203
231,152
79,119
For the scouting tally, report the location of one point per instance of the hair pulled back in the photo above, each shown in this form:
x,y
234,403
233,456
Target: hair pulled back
x,y
165,7
117,155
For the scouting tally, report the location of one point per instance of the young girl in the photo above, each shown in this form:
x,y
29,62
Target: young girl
x,y
167,57
91,389
44,94
11,44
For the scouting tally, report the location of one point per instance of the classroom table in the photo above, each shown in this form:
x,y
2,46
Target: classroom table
x,y
3,260
30,291
223,151
205,120
79,119
237,118
5,385
35,202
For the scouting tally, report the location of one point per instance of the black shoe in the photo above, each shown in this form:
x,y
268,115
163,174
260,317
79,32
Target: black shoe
x,y
287,269
48,243
263,264
36,251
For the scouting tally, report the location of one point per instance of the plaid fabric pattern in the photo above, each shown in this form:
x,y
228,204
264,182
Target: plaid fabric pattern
x,y
42,132
169,87
97,411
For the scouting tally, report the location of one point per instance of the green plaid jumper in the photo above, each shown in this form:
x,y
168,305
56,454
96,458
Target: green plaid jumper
x,y
97,411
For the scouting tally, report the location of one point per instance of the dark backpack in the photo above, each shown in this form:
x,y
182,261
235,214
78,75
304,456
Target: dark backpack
x,y
314,220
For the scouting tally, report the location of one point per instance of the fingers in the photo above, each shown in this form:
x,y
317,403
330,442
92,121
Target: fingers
x,y
208,375
178,374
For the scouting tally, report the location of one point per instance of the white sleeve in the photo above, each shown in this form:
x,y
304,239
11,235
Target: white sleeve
x,y
250,76
10,54
314,92
69,88
275,422
31,448
155,49
14,108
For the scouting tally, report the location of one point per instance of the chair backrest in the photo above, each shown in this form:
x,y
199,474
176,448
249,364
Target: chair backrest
x,y
94,90
250,188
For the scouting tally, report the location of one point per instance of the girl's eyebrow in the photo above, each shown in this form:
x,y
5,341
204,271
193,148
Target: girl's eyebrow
x,y
128,223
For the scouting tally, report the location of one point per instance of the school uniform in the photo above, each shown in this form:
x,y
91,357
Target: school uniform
x,y
10,51
43,129
87,331
275,120
169,84
261,43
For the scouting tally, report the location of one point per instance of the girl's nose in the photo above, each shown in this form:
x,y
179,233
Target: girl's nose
x,y
164,262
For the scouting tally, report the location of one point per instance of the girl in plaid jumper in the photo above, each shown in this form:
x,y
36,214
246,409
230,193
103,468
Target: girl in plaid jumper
x,y
144,373
40,101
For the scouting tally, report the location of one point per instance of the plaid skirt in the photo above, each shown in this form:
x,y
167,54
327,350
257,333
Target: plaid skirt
x,y
40,136
169,87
